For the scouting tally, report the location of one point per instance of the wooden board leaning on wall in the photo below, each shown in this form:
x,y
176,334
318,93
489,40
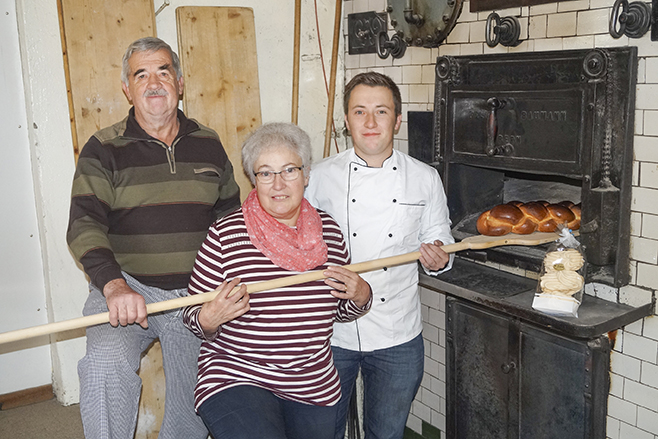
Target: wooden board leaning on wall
x,y
95,35
217,48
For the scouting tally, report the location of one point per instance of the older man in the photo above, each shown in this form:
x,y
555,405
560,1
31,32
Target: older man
x,y
144,193
387,203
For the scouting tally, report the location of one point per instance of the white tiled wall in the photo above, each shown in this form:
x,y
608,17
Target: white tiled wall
x,y
575,24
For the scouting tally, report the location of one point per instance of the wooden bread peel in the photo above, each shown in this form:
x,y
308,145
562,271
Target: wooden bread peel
x,y
476,242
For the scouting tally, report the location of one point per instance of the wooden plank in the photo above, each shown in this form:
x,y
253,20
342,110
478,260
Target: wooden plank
x,y
96,34
217,48
152,401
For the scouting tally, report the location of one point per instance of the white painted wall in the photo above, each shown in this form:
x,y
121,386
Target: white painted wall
x,y
52,162
46,160
22,293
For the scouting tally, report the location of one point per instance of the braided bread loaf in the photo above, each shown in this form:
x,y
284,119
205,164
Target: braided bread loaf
x,y
525,218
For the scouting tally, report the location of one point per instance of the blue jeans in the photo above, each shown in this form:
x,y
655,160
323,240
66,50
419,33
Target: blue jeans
x,y
249,412
391,378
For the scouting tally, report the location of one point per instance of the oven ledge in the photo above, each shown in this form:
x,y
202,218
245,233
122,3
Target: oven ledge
x,y
513,295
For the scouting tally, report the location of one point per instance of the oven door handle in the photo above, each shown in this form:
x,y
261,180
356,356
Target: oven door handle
x,y
492,125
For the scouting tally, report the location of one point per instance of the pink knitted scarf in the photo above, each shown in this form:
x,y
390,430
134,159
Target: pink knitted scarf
x,y
297,249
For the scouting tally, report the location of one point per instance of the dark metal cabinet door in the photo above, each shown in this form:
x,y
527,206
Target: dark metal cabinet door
x,y
481,373
561,385
510,380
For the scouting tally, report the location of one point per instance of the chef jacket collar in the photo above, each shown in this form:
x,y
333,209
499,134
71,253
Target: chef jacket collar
x,y
359,161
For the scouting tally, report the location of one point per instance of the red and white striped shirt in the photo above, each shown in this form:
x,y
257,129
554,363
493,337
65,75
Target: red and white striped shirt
x,y
282,343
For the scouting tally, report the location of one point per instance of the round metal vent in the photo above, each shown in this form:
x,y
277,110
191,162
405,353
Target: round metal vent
x,y
424,23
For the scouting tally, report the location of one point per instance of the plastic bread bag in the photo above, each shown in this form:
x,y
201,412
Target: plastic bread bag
x,y
562,278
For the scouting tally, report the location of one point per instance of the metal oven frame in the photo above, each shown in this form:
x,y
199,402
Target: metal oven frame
x,y
561,119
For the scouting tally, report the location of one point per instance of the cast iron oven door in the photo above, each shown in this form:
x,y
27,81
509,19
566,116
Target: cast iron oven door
x,y
543,125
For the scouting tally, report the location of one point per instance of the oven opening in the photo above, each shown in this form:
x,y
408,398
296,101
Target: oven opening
x,y
473,190
529,187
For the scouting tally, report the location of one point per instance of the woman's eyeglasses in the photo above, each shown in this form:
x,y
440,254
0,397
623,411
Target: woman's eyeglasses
x,y
288,174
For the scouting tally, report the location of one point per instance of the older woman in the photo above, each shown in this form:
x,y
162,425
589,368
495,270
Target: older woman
x,y
265,366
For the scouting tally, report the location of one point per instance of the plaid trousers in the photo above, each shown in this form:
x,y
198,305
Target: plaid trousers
x,y
109,385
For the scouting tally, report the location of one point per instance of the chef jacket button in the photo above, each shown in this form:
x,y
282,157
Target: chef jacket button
x,y
395,168
353,234
385,268
355,168
383,300
390,235
353,200
394,200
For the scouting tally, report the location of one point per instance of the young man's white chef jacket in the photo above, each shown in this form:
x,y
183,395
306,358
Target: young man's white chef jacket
x,y
383,212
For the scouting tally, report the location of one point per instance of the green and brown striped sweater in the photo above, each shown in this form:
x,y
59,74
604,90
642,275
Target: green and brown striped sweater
x,y
140,206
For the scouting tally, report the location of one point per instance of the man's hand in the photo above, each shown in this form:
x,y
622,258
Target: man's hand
x,y
125,305
347,285
432,256
222,308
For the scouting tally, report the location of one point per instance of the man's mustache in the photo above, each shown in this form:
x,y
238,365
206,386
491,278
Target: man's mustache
x,y
159,92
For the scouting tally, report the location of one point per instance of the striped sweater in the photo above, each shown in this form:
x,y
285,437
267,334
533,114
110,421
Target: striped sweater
x,y
144,207
282,343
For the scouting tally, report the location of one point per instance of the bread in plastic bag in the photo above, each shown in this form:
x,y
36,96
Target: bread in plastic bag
x,y
562,279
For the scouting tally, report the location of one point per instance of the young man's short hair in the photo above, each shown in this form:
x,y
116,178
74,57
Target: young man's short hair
x,y
373,79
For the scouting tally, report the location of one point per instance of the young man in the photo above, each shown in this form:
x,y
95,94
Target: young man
x,y
145,192
387,203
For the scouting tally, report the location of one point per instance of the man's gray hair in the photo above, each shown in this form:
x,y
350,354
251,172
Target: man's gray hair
x,y
148,44
276,134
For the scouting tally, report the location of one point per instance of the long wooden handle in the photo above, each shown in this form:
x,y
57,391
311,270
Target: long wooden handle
x,y
295,62
473,243
332,81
